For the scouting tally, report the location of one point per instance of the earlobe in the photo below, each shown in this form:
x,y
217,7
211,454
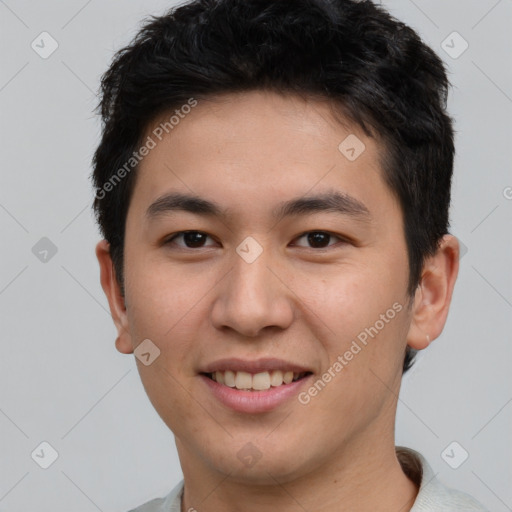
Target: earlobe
x,y
124,345
116,302
417,338
434,293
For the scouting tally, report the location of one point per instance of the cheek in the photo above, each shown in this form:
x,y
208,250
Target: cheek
x,y
348,298
163,305
359,313
162,289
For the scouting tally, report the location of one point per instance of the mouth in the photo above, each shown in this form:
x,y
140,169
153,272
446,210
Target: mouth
x,y
256,382
252,386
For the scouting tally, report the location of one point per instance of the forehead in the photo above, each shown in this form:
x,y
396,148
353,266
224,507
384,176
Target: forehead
x,y
255,117
249,149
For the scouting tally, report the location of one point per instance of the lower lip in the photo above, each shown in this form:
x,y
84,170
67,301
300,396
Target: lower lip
x,y
254,401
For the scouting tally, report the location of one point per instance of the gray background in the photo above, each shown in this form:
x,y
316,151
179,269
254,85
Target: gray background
x,y
62,380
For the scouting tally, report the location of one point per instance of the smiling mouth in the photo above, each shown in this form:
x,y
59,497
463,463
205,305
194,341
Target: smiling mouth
x,y
262,381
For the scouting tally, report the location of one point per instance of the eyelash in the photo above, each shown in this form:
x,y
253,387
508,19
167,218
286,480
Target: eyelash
x,y
343,240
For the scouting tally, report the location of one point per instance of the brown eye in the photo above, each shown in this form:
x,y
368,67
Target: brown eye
x,y
191,239
319,239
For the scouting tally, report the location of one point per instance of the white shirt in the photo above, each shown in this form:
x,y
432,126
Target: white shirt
x,y
433,496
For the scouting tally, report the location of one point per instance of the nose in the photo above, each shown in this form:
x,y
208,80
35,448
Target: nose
x,y
253,296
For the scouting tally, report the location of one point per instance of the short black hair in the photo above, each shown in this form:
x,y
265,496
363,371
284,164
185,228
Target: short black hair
x,y
372,68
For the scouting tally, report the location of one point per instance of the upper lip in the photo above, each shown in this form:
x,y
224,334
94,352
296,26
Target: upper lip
x,y
256,366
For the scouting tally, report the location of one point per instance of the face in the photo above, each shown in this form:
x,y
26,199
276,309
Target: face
x,y
318,286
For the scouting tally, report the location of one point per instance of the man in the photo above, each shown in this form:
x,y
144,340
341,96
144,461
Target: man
x,y
273,186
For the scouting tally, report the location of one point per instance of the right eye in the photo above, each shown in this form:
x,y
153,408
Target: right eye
x,y
191,239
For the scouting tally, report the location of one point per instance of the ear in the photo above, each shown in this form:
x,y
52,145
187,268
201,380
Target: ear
x,y
115,298
434,294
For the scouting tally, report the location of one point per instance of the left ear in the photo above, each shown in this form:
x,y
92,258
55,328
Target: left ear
x,y
434,294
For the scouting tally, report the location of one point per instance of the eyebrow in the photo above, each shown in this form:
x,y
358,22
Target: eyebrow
x,y
330,201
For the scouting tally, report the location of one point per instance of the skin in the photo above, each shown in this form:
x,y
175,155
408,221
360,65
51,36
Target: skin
x,y
249,152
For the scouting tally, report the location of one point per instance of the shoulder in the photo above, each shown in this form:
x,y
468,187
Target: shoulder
x,y
438,497
169,503
155,505
433,495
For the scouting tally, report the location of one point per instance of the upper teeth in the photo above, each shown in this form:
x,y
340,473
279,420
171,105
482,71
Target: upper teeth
x,y
259,381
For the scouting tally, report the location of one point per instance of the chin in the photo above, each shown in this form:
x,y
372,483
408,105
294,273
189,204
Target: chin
x,y
260,466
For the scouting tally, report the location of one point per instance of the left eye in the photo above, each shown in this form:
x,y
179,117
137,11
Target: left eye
x,y
196,239
319,239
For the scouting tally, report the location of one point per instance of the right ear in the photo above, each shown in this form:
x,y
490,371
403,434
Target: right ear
x,y
115,298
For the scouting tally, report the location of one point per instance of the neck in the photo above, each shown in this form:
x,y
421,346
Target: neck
x,y
364,477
